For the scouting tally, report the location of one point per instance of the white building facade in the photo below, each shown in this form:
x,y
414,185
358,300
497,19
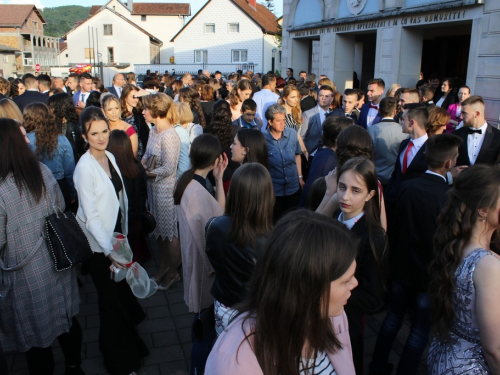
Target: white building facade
x,y
396,40
228,35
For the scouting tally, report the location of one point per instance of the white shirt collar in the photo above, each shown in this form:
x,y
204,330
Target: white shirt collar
x,y
436,174
418,142
483,128
350,223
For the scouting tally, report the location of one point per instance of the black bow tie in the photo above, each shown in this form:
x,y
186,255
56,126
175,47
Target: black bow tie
x,y
473,130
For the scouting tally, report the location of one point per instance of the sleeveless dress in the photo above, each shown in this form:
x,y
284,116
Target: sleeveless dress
x,y
463,353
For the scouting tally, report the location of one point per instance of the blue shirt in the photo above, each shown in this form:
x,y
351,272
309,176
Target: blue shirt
x,y
282,166
184,163
255,124
61,163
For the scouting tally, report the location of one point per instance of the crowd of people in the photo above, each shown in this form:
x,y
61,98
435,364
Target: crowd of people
x,y
288,209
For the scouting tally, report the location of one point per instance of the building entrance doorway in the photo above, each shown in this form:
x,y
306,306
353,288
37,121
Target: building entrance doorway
x,y
364,58
445,50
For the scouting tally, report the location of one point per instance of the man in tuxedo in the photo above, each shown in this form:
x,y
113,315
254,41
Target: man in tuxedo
x,y
312,120
481,142
80,97
369,112
31,95
72,83
349,101
44,83
418,207
386,136
410,162
426,93
117,86
307,102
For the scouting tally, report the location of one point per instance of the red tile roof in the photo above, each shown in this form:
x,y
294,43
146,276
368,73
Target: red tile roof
x,y
164,9
261,16
63,46
15,15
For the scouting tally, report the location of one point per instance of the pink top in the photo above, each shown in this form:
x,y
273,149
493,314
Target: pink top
x,y
130,131
233,354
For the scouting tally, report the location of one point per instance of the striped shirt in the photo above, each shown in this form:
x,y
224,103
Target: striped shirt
x,y
321,365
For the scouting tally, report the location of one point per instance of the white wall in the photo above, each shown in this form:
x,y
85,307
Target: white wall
x,y
270,42
162,27
8,67
130,45
220,44
62,60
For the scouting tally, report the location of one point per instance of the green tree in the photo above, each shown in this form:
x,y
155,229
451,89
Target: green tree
x,y
61,19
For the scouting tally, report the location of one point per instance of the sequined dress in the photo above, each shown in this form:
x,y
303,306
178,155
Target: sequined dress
x,y
463,353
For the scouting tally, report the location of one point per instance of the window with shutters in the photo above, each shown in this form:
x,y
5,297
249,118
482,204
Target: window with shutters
x,y
239,55
108,29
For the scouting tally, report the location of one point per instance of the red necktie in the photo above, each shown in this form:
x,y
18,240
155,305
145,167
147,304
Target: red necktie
x,y
405,158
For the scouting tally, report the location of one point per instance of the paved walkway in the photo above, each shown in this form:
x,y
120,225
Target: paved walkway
x,y
167,333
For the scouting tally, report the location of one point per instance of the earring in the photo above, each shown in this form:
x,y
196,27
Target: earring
x,y
483,219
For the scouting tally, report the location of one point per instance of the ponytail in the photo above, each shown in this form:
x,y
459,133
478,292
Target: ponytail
x,y
181,185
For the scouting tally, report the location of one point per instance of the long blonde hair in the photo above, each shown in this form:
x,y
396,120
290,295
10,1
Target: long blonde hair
x,y
296,111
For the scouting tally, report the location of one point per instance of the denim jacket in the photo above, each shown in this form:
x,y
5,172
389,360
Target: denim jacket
x,y
62,162
282,166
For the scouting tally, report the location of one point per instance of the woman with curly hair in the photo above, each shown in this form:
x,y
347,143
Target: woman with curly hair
x,y
17,88
465,278
191,97
223,128
242,91
132,114
438,119
52,148
62,107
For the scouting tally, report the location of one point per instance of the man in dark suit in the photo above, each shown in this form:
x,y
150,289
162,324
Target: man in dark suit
x,y
80,97
117,86
44,84
31,95
419,205
312,120
369,112
410,162
307,102
481,142
349,101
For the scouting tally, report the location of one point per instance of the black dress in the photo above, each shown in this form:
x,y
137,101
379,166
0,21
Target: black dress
x,y
119,311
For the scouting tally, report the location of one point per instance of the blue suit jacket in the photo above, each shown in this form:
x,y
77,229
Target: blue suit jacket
x,y
76,97
364,113
112,90
311,130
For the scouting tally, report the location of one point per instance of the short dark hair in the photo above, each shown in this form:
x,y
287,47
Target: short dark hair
x,y
332,126
85,76
387,106
268,78
29,79
326,87
303,89
464,87
217,72
360,93
440,148
248,105
420,114
45,80
427,91
377,81
348,92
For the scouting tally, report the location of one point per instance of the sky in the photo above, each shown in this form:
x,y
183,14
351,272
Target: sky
x,y
195,4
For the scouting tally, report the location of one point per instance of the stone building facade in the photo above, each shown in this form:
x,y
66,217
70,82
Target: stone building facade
x,y
396,40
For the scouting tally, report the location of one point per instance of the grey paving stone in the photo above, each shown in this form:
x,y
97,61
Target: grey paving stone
x,y
179,309
176,297
165,354
90,335
92,350
174,368
157,312
93,366
157,299
184,334
161,339
156,325
183,321
149,370
92,321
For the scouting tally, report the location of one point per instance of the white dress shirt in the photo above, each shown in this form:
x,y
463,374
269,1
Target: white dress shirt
x,y
118,91
417,144
370,116
474,143
322,114
83,96
436,174
440,101
264,98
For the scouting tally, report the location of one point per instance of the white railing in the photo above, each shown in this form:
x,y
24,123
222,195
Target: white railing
x,y
177,69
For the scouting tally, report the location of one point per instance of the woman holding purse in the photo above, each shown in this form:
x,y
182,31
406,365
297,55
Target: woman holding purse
x,y
103,209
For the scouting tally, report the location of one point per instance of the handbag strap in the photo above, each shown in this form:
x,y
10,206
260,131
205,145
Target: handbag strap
x,y
204,256
25,260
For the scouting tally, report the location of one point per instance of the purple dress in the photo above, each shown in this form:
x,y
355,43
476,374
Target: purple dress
x,y
463,353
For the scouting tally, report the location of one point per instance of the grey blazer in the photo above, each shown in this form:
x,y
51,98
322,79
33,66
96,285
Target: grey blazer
x,y
311,130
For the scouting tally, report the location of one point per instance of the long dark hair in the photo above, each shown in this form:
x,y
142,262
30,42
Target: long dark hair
x,y
121,148
205,149
256,146
353,141
17,160
221,125
475,188
250,203
289,292
126,90
39,119
62,107
365,169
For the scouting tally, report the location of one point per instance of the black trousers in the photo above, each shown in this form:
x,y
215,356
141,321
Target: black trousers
x,y
119,313
284,204
41,360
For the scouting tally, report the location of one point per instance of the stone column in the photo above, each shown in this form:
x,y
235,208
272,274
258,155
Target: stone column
x,y
338,59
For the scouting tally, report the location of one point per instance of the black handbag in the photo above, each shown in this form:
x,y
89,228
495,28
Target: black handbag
x,y
148,221
205,323
66,240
